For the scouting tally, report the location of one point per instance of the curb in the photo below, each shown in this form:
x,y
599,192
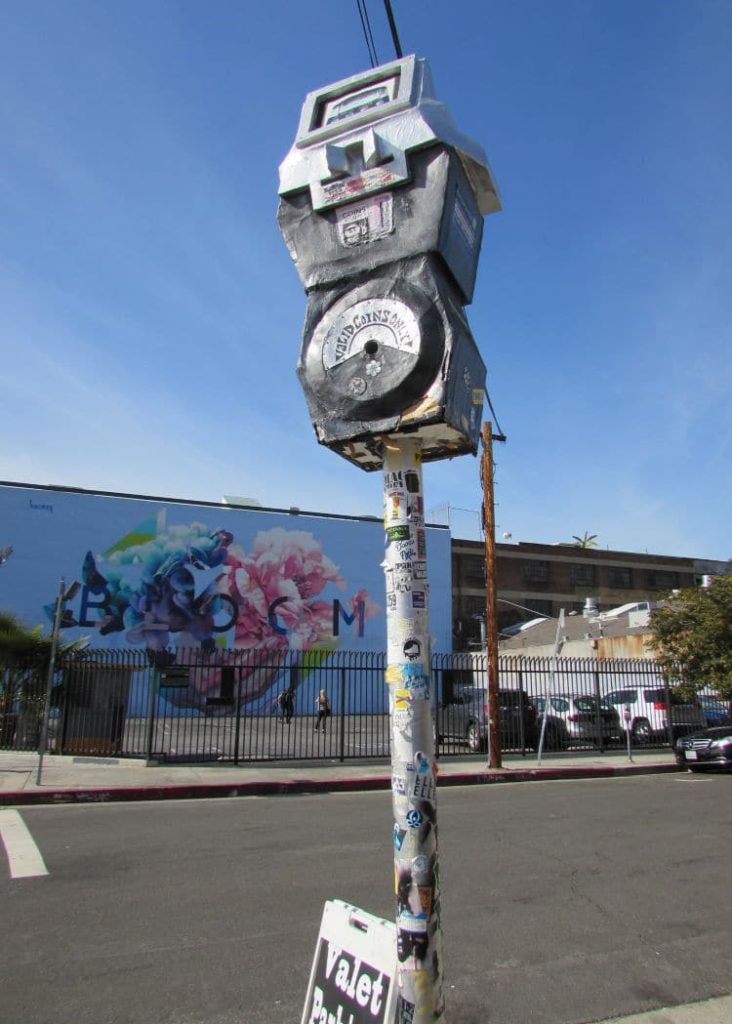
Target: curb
x,y
298,787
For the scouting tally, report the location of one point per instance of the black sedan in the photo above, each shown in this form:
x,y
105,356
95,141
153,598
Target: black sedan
x,y
708,748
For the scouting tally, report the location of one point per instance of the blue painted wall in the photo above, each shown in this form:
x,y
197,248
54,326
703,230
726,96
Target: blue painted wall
x,y
156,574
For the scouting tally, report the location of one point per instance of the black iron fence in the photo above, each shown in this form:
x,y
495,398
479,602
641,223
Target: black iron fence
x,y
233,706
562,704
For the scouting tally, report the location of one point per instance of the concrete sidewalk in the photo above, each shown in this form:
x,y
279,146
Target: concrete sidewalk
x,y
67,779
710,1011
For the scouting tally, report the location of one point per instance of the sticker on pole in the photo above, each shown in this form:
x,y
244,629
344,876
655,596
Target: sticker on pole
x,y
353,977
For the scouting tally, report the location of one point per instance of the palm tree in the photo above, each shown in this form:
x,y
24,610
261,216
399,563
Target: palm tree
x,y
589,540
19,643
25,655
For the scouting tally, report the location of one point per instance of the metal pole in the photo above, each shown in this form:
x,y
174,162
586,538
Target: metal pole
x,y
626,719
491,622
598,713
49,681
558,643
669,722
342,709
413,766
237,732
152,693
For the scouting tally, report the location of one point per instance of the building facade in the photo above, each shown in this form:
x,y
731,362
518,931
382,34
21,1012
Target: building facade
x,y
544,578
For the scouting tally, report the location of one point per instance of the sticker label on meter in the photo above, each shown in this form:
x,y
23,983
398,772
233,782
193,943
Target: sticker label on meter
x,y
364,222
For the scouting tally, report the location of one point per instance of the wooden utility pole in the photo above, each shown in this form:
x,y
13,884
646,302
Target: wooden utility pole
x,y
491,624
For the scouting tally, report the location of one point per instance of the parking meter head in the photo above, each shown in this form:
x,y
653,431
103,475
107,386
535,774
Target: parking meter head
x,y
392,353
379,173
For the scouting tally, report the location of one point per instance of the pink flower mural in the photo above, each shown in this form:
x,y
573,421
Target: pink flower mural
x,y
194,587
286,571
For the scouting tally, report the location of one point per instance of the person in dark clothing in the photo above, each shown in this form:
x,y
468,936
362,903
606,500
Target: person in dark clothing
x,y
286,703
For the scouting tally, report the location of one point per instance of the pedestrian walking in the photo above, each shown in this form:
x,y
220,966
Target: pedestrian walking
x,y
286,703
323,706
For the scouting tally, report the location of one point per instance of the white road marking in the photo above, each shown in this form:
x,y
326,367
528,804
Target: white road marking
x,y
24,857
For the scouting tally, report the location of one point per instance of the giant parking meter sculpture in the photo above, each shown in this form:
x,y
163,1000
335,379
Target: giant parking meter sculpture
x,y
381,206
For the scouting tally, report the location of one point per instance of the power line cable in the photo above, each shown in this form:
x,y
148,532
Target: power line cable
x,y
392,26
501,436
371,37
367,34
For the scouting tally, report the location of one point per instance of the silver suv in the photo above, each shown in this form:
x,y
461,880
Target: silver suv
x,y
646,713
581,719
463,716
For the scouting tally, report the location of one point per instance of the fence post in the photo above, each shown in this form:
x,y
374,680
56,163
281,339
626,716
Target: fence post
x,y
523,701
151,713
598,713
238,715
437,668
342,706
669,723
522,697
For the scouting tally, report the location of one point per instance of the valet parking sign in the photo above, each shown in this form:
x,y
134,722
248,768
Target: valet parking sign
x,y
352,977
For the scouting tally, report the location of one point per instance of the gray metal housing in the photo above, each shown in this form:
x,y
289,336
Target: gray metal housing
x,y
378,173
413,119
437,394
435,212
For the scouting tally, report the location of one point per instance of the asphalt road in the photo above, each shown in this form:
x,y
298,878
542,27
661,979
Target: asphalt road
x,y
563,902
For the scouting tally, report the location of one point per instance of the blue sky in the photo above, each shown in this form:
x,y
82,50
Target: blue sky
x,y
150,316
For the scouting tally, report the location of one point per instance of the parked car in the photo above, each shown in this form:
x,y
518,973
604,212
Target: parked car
x,y
716,711
463,715
571,719
650,715
708,748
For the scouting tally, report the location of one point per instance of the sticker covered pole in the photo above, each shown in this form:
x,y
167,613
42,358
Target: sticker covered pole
x,y
414,770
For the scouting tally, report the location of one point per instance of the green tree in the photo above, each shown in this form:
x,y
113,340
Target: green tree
x,y
19,643
588,540
692,636
25,655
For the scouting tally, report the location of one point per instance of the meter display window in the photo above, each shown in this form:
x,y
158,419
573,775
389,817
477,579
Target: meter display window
x,y
343,108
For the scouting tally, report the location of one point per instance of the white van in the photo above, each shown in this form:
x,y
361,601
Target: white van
x,y
650,713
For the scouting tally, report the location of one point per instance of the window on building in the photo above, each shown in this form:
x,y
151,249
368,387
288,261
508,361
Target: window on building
x,y
540,607
660,580
475,606
620,577
473,571
582,575
536,571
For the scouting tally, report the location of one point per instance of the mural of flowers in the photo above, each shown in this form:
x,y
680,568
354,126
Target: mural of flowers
x,y
197,588
170,584
286,571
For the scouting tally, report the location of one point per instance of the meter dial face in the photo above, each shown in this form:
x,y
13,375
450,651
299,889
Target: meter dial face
x,y
379,354
372,328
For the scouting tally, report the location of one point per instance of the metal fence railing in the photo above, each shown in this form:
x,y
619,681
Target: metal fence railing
x,y
222,705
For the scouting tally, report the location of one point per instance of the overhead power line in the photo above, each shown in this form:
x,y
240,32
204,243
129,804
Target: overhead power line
x,y
367,34
393,28
500,436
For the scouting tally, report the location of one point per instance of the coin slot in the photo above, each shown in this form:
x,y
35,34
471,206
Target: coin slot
x,y
371,348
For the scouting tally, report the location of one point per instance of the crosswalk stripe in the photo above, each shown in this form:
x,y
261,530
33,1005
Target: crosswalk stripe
x,y
24,857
